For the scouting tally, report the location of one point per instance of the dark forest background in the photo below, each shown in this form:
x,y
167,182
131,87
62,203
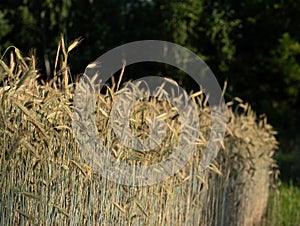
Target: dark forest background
x,y
252,44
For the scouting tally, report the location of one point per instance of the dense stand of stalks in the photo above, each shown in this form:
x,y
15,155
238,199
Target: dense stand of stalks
x,y
45,180
241,194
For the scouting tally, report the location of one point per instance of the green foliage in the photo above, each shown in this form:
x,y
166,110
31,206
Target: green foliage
x,y
219,26
290,204
5,28
285,68
286,57
284,205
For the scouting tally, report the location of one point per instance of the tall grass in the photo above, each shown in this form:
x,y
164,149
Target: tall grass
x,y
46,181
284,205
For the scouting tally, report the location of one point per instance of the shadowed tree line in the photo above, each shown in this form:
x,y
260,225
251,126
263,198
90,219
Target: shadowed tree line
x,y
254,45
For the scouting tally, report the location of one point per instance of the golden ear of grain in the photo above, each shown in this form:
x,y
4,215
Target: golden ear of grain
x,y
74,44
7,71
25,77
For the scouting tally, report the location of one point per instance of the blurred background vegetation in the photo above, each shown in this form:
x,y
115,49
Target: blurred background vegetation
x,y
254,45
